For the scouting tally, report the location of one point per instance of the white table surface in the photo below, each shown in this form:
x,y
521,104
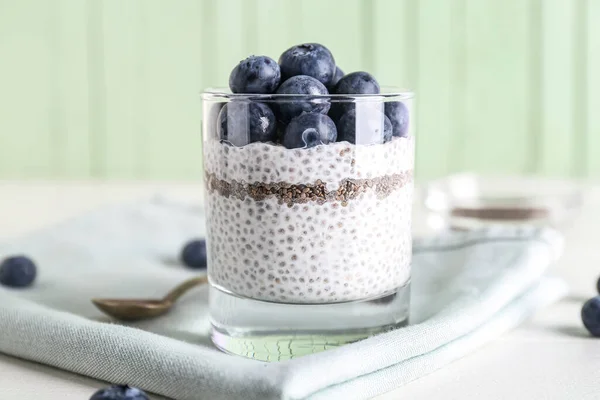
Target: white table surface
x,y
549,357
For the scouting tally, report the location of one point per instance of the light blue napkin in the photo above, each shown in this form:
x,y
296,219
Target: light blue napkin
x,y
468,288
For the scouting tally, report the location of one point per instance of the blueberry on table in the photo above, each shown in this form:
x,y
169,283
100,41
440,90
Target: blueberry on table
x,y
309,130
242,122
120,392
17,271
336,78
193,254
590,315
255,74
397,112
302,85
310,59
372,126
357,83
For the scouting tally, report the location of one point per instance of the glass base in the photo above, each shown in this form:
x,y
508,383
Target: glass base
x,y
269,331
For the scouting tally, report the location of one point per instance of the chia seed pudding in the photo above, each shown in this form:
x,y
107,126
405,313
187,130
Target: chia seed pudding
x,y
309,184
324,224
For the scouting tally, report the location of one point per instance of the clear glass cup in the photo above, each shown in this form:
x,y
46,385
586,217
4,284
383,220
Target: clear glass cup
x,y
309,243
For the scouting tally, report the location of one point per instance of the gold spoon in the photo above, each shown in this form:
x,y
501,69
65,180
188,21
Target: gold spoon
x,y
138,309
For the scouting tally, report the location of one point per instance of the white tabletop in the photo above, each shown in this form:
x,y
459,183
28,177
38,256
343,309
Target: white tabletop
x,y
549,357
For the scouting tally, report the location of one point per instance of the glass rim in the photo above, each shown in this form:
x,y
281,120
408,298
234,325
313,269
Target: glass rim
x,y
387,92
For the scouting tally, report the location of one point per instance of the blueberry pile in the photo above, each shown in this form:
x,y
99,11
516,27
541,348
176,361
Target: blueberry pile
x,y
306,74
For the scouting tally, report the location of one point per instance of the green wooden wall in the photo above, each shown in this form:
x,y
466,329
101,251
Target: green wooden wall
x,y
109,88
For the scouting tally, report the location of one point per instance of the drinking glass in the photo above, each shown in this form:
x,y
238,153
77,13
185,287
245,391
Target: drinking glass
x,y
309,235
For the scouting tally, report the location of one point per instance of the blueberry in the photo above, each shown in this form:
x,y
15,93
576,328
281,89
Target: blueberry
x,y
120,392
369,126
354,83
302,85
310,59
357,83
339,108
194,254
17,271
309,130
336,78
397,112
255,74
242,122
598,285
590,315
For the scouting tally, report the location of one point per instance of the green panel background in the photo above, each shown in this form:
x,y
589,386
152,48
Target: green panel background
x,y
109,88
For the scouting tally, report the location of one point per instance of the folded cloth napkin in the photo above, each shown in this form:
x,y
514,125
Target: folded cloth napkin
x,y
467,289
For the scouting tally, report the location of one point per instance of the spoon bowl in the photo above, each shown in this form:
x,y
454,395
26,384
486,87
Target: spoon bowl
x,y
133,309
139,309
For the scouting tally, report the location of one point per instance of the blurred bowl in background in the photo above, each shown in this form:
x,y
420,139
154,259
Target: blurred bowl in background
x,y
469,201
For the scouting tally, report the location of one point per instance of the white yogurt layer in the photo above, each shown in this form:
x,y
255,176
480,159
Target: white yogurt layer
x,y
267,163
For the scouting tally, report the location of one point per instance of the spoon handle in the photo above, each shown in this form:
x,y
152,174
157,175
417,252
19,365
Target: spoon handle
x,y
176,293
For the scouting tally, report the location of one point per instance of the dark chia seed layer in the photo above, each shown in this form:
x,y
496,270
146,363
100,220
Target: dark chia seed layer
x,y
291,194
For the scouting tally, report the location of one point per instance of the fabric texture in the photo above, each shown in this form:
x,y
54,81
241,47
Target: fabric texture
x,y
467,288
